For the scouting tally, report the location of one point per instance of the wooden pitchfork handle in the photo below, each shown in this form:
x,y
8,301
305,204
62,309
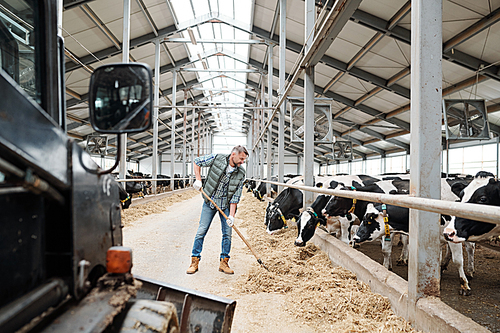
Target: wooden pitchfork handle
x,y
235,229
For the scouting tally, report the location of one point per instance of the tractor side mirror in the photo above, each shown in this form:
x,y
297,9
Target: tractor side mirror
x,y
120,98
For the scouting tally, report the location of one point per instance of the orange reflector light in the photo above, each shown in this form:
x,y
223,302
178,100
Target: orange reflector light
x,y
119,260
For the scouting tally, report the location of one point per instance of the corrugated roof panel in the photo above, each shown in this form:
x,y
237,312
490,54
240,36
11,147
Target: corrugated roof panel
x,y
263,17
484,46
456,17
294,31
384,9
357,116
90,40
351,87
394,99
406,116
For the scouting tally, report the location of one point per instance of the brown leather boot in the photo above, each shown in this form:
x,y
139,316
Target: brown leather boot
x,y
224,266
193,268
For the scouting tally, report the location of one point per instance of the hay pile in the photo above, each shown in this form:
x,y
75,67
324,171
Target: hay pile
x,y
324,297
134,213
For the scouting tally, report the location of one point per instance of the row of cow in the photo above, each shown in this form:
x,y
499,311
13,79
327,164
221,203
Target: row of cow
x,y
356,221
143,186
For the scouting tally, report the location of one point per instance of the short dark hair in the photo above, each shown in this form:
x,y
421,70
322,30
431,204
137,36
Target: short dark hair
x,y
239,149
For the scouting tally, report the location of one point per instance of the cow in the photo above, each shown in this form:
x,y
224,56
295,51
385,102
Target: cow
x,y
484,190
251,184
261,189
311,216
125,198
139,187
286,206
373,227
334,225
178,184
341,213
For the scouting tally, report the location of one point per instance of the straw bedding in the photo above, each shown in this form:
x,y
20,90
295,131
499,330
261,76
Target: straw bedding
x,y
154,207
324,297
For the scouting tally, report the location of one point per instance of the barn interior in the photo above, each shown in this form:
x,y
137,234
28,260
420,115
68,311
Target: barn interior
x,y
314,88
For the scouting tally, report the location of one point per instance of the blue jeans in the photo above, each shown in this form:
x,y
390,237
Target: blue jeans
x,y
207,215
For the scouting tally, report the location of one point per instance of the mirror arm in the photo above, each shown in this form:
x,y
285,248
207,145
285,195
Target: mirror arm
x,y
117,161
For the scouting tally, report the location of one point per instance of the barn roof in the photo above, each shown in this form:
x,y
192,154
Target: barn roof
x,y
364,72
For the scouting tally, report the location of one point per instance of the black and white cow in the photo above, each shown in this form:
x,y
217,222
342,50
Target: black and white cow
x,y
311,217
372,227
261,189
286,206
334,225
484,191
342,213
125,198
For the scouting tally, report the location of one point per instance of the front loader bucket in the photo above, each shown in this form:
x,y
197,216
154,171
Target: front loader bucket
x,y
197,311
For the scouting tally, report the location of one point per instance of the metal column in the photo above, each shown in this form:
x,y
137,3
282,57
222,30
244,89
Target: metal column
x,y
425,179
199,128
310,11
125,55
269,112
281,117
154,162
498,156
255,151
251,157
172,132
262,122
193,114
184,140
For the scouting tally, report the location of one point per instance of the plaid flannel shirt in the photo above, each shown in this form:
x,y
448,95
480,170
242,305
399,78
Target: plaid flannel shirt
x,y
220,194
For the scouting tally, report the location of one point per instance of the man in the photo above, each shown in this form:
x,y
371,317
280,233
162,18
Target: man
x,y
223,184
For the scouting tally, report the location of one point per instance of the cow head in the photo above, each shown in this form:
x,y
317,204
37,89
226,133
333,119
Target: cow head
x,y
371,226
276,220
485,191
306,225
338,206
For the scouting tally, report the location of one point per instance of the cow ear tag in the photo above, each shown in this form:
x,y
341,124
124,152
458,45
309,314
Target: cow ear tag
x,y
293,219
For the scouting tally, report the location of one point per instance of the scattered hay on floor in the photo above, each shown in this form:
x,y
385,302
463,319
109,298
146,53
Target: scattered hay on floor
x,y
159,206
324,297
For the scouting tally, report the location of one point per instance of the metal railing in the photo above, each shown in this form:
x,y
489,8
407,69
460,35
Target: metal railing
x,y
477,212
150,180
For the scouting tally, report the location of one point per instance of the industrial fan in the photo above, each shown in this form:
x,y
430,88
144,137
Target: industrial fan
x,y
342,150
97,145
322,122
466,119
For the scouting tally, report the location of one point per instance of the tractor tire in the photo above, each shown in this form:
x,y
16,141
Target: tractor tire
x,y
148,316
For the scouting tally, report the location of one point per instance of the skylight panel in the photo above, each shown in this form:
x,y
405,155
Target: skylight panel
x,y
239,11
226,7
206,31
200,7
242,14
183,10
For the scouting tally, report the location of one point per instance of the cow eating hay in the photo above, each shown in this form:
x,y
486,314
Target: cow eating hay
x,y
324,297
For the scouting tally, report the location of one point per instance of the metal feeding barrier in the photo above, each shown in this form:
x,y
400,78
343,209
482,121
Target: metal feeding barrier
x,y
151,180
477,212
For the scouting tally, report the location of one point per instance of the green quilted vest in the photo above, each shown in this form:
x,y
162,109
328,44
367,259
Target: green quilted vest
x,y
215,173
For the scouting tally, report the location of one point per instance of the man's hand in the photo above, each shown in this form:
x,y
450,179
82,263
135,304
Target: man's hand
x,y
197,185
230,221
